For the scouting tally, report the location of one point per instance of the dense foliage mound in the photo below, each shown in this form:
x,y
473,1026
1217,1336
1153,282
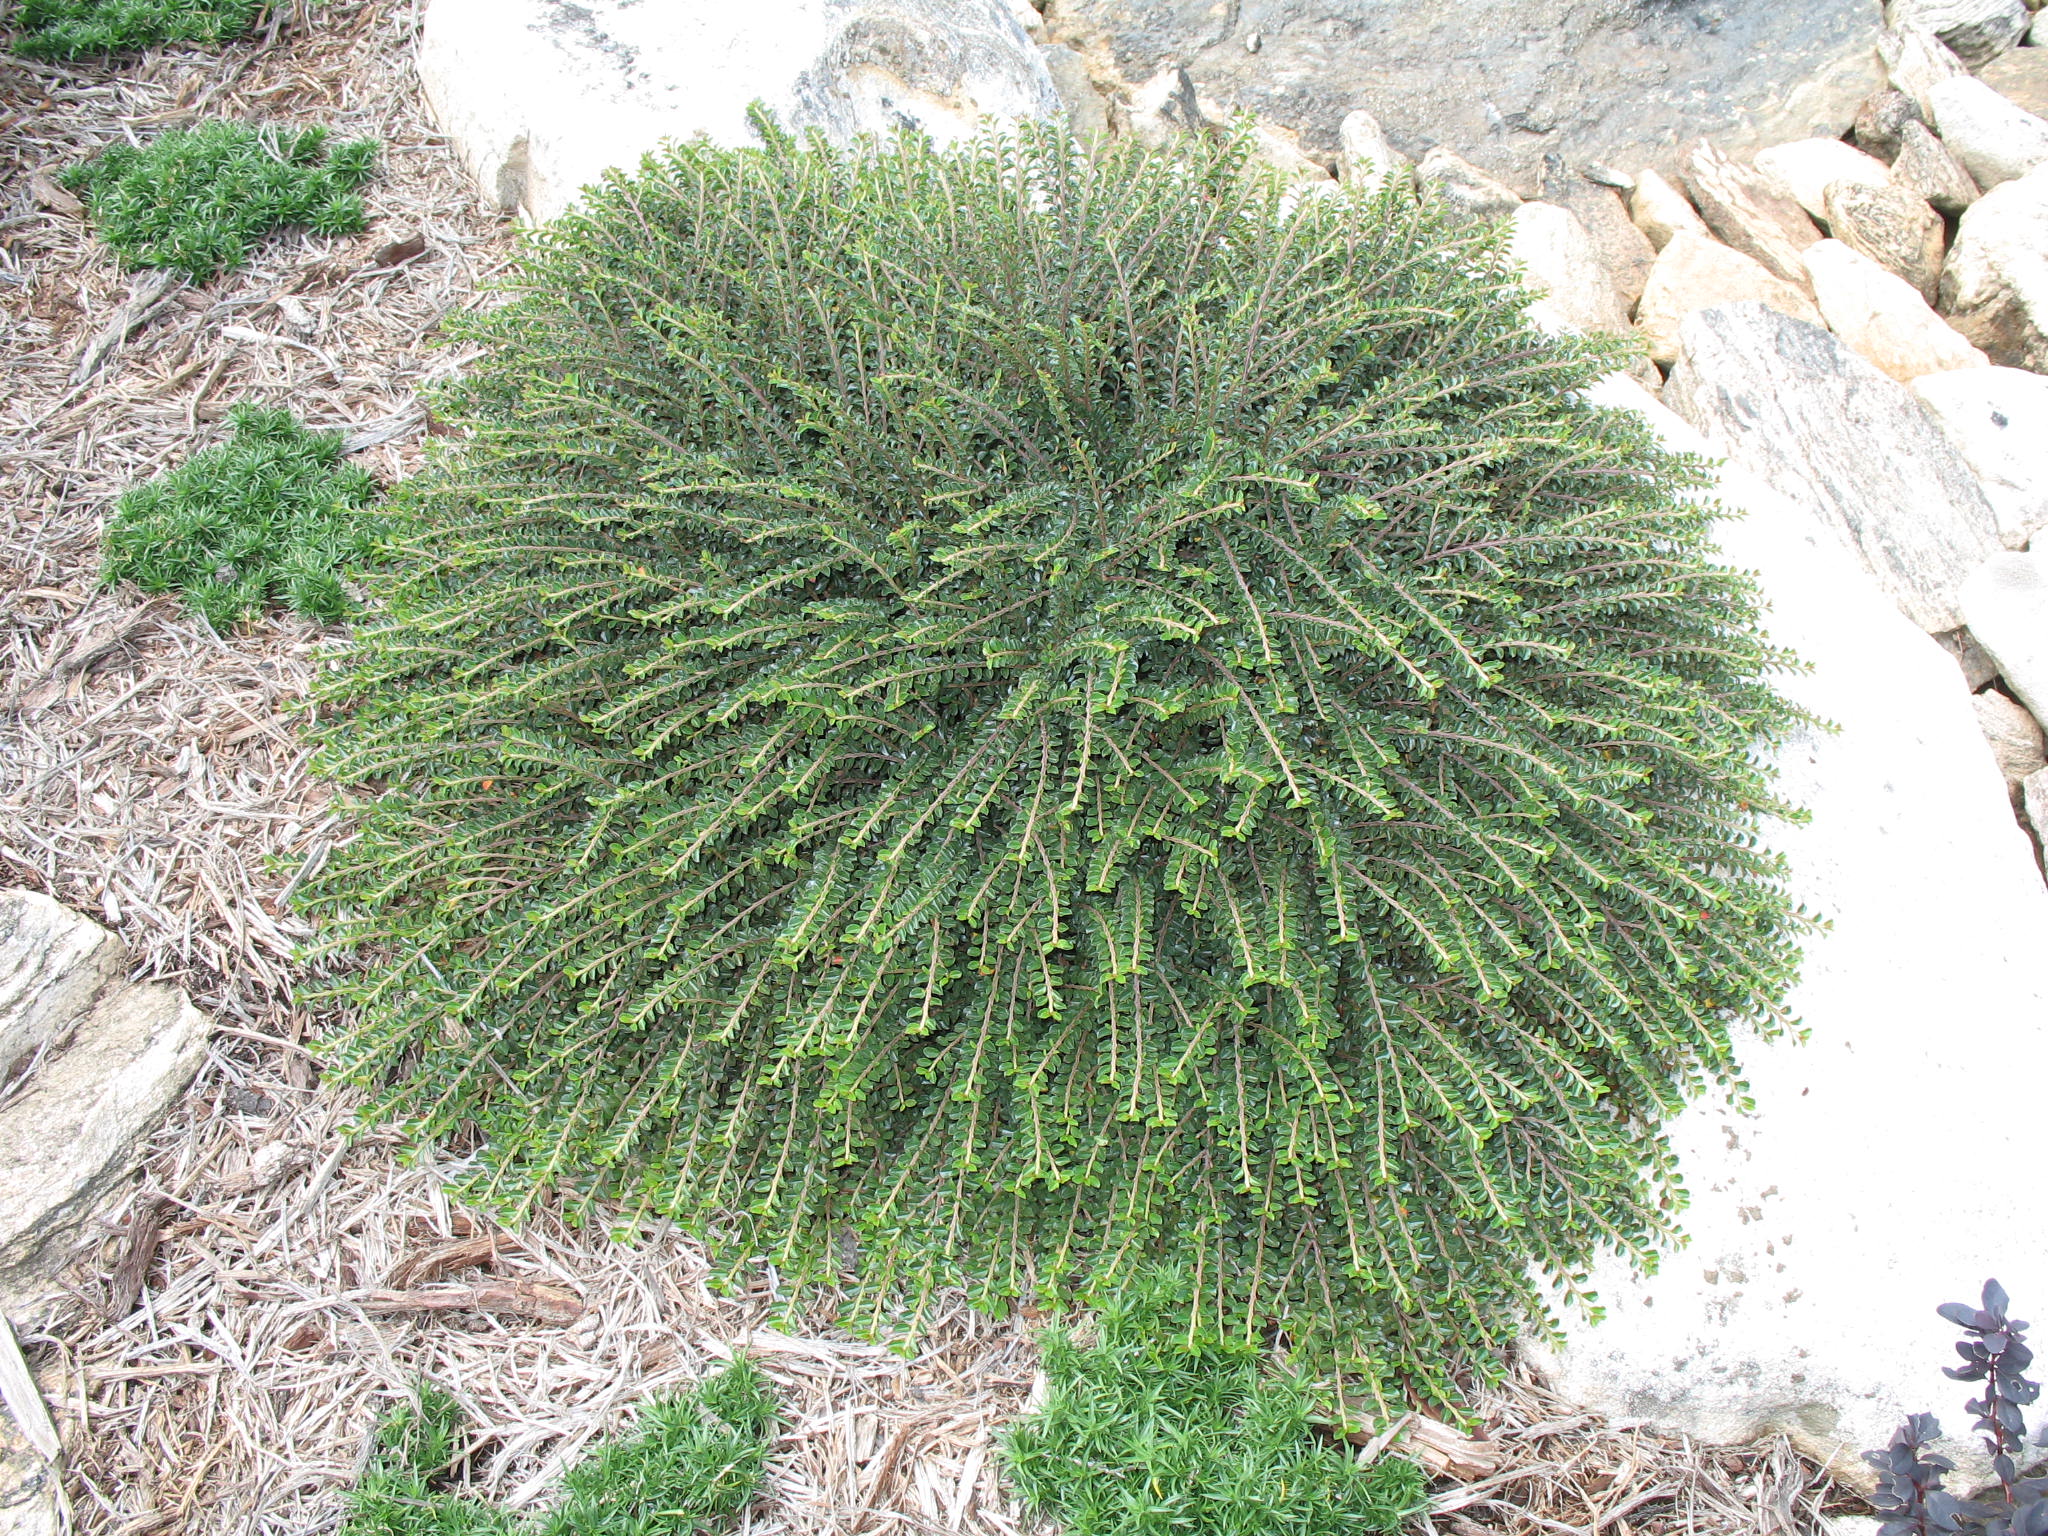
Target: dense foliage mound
x,y
693,1464
1160,1427
77,29
196,199
270,516
993,716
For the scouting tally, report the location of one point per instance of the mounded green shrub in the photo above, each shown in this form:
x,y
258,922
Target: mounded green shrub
x,y
195,199
77,29
271,515
994,717
1161,1427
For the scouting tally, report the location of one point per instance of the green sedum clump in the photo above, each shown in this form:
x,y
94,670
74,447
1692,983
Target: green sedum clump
x,y
270,516
195,199
1162,1428
76,29
993,717
693,1465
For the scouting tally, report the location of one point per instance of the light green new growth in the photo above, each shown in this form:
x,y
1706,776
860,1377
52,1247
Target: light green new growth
x,y
992,717
76,29
271,515
693,1465
195,199
1163,1428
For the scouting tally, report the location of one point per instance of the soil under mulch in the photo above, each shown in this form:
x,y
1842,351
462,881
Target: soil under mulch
x,y
270,1288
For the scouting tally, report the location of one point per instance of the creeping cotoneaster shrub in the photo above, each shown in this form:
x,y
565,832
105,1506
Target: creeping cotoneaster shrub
x,y
270,516
195,199
692,1464
1160,1428
74,29
997,716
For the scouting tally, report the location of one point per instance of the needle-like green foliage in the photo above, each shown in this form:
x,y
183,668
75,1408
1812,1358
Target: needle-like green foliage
x,y
994,716
195,199
693,1464
78,29
270,516
1163,1428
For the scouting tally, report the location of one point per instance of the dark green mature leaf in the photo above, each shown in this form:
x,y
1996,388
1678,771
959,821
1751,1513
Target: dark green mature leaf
x,y
989,717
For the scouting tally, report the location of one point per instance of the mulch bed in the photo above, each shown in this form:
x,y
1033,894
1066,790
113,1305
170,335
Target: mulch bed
x,y
271,1287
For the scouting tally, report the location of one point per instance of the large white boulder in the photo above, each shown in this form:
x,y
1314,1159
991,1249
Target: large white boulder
x,y
1998,420
1874,1178
2006,604
1794,405
540,98
91,1061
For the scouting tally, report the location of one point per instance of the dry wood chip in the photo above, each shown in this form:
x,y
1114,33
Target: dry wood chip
x,y
52,196
463,1253
519,1297
145,1231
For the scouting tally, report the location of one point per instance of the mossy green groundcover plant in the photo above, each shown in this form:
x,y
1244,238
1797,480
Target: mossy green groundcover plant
x,y
691,1467
77,29
270,516
992,717
196,199
1161,1427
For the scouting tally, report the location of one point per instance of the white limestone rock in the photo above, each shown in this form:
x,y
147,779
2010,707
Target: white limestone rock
x,y
1994,286
1087,108
94,1061
541,97
1793,405
2007,603
1996,140
1998,420
1466,191
1559,261
1662,212
1827,1224
1694,272
1366,157
1882,316
1805,168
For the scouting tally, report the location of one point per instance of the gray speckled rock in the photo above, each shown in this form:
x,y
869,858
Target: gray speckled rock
x,y
1467,191
1978,31
1793,405
104,1058
1748,210
1893,227
1928,169
541,97
1505,82
1624,250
